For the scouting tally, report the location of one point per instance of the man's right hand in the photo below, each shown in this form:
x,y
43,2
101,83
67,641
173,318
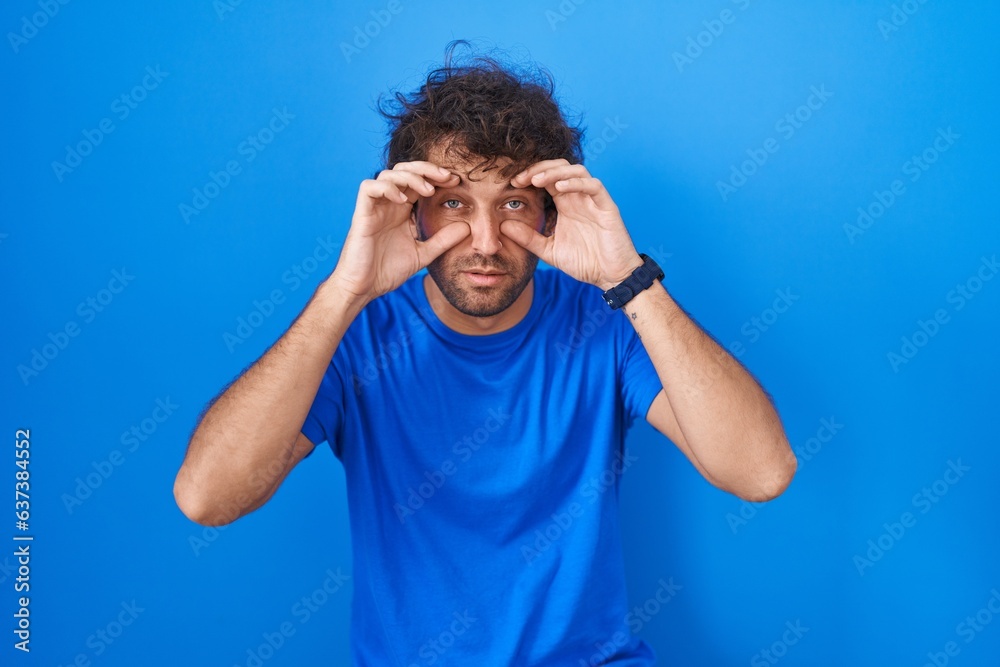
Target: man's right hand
x,y
381,252
250,437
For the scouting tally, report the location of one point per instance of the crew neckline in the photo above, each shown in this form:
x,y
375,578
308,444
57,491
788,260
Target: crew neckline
x,y
484,341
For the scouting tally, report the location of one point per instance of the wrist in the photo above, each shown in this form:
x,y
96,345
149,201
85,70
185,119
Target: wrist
x,y
638,281
622,275
340,295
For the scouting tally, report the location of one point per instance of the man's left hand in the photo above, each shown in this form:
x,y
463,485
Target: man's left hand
x,y
588,240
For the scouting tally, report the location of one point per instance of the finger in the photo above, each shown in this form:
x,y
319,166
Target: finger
x,y
447,237
374,190
412,184
549,176
546,179
524,178
588,186
526,237
429,170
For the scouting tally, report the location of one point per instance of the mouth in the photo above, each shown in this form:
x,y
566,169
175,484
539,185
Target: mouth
x,y
484,277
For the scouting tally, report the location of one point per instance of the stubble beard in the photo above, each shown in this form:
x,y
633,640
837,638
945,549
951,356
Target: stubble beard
x,y
477,300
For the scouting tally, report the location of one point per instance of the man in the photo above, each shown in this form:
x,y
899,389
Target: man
x,y
480,409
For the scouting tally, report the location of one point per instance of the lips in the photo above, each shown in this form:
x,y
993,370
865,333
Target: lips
x,y
484,277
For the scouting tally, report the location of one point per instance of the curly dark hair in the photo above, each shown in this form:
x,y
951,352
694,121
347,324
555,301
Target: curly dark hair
x,y
481,110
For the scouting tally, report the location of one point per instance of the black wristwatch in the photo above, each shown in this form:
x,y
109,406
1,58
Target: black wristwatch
x,y
642,278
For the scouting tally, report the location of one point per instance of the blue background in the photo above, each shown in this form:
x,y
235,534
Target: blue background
x,y
680,127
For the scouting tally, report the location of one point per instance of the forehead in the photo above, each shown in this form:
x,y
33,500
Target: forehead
x,y
451,161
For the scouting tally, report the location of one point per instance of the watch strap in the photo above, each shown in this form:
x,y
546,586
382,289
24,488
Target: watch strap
x,y
641,279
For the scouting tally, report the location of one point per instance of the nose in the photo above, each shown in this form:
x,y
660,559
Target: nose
x,y
485,232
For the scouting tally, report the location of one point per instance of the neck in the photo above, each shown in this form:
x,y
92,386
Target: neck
x,y
470,325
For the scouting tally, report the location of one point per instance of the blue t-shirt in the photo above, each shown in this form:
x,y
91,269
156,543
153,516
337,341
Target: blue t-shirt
x,y
482,479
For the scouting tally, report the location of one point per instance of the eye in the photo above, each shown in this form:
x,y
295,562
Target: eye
x,y
446,203
520,204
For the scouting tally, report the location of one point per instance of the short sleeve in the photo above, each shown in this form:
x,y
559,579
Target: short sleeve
x,y
323,421
639,381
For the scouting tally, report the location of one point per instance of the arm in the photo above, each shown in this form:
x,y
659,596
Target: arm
x,y
710,406
712,409
249,438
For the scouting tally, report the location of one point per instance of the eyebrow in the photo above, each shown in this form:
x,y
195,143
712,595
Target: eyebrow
x,y
463,185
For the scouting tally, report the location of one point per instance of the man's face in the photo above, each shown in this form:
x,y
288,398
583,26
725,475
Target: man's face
x,y
487,272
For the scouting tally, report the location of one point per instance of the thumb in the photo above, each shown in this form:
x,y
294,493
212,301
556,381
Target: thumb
x,y
445,238
526,237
